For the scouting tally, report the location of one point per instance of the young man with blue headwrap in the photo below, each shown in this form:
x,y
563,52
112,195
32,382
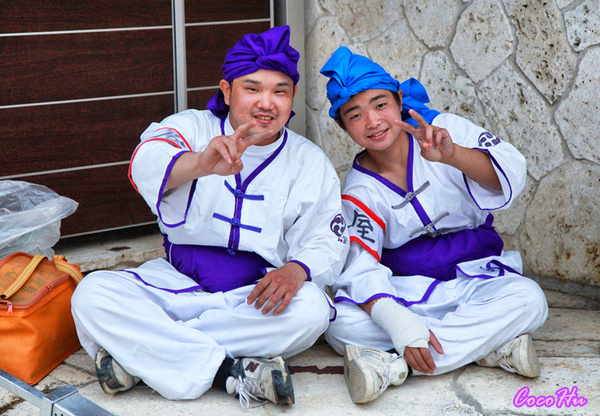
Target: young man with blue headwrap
x,y
425,263
251,217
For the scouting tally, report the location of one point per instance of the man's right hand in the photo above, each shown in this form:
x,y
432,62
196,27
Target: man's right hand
x,y
222,156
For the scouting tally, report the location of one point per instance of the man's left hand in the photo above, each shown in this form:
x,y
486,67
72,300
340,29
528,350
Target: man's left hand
x,y
279,285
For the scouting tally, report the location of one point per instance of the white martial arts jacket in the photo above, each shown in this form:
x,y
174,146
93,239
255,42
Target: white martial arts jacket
x,y
441,200
285,204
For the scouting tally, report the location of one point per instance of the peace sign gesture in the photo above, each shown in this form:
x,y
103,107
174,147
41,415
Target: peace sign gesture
x,y
222,156
435,142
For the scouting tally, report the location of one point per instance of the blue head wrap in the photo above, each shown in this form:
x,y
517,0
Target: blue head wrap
x,y
350,74
268,50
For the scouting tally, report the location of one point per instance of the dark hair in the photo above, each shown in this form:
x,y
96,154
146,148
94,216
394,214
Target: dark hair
x,y
340,122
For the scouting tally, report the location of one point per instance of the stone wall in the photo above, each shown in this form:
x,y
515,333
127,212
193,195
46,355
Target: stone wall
x,y
527,70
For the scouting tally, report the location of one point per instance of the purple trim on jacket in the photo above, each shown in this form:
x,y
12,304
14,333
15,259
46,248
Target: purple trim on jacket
x,y
502,269
240,193
397,299
187,289
304,266
379,178
395,188
495,162
162,189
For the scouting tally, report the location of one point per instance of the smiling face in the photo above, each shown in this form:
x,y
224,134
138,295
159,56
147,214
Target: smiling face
x,y
369,116
266,96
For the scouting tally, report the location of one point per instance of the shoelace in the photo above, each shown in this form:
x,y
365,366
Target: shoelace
x,y
383,367
501,357
244,389
503,363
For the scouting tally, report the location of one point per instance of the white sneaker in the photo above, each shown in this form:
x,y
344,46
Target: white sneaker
x,y
369,371
112,377
517,356
259,379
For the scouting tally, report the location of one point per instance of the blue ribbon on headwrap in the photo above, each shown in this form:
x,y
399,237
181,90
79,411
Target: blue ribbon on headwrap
x,y
350,74
268,50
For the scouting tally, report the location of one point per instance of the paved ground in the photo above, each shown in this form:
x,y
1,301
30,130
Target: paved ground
x,y
568,346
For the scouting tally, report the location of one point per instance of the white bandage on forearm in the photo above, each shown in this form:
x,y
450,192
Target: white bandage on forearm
x,y
404,327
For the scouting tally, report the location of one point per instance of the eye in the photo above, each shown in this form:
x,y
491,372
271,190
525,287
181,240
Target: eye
x,y
354,116
381,105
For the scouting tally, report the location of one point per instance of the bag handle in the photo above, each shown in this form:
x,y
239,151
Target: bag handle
x,y
21,279
64,266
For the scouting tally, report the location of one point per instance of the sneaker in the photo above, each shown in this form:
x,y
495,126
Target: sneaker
x,y
369,371
112,377
517,356
261,379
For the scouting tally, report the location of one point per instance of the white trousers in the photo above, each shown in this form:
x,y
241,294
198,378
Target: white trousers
x,y
471,317
176,342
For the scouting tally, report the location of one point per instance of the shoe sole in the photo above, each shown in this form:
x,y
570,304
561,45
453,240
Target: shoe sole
x,y
356,377
282,383
107,378
528,357
106,374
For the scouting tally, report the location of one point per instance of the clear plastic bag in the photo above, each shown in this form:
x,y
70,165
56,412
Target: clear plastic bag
x,y
30,216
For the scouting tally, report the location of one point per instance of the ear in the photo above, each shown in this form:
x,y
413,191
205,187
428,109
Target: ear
x,y
226,89
295,90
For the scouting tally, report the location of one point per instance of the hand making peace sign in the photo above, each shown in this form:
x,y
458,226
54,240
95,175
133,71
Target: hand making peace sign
x,y
435,142
222,156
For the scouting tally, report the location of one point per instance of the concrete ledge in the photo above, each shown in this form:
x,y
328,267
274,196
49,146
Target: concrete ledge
x,y
114,250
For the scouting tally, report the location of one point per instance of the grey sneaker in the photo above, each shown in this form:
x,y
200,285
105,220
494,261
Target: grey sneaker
x,y
369,371
112,377
261,379
517,356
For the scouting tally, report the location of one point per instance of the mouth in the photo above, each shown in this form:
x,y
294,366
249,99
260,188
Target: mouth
x,y
378,135
264,119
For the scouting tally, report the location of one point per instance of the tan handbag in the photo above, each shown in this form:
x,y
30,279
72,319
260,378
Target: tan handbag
x,y
37,331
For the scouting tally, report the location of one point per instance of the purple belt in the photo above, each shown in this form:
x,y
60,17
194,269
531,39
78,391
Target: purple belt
x,y
216,269
437,257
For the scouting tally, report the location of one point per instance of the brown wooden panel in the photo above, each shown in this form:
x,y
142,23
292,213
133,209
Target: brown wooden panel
x,y
105,196
73,66
207,46
49,137
199,99
213,11
20,16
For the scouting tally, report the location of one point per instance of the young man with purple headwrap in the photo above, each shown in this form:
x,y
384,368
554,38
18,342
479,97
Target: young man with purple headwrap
x,y
251,217
426,282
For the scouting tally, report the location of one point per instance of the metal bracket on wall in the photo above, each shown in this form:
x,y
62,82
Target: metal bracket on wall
x,y
62,402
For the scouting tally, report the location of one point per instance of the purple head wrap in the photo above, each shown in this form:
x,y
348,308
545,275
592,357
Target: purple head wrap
x,y
268,50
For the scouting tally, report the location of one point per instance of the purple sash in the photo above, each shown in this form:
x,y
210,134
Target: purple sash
x,y
438,257
216,269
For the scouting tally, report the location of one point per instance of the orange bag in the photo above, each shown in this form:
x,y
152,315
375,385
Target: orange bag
x,y
37,331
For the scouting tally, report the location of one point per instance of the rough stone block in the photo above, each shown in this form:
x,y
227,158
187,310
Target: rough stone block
x,y
483,39
521,117
543,52
562,232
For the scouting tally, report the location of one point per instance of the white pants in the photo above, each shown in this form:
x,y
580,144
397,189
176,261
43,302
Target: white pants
x,y
471,317
176,342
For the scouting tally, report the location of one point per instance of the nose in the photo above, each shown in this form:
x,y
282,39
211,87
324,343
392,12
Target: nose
x,y
266,101
373,119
